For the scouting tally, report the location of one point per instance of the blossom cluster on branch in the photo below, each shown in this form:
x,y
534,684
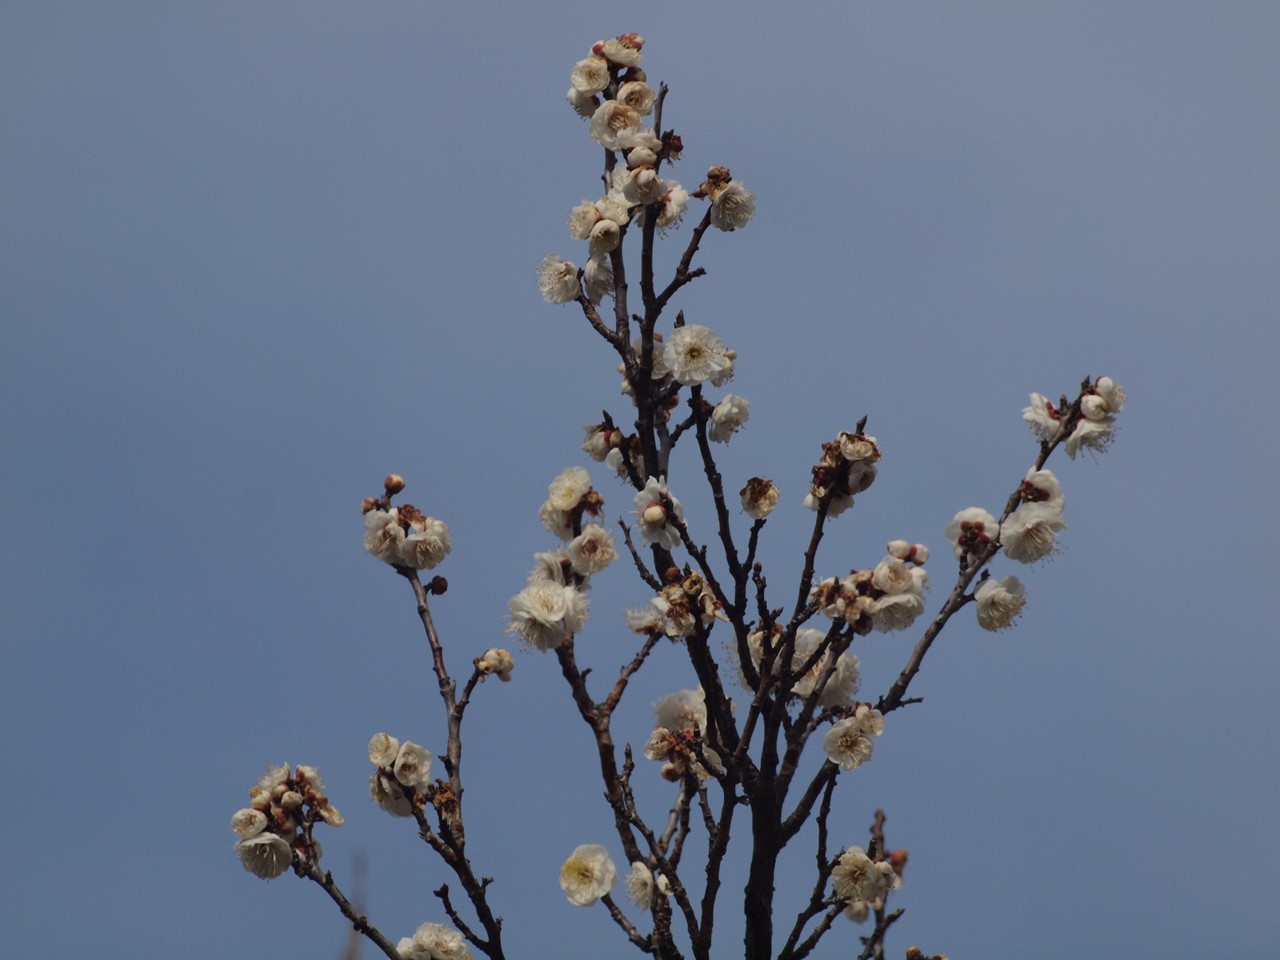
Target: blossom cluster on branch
x,y
769,720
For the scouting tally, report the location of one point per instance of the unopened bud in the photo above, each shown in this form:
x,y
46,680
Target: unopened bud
x,y
292,800
671,773
438,586
369,503
393,484
655,515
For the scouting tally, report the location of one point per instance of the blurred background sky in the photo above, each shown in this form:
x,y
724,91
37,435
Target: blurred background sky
x,y
256,255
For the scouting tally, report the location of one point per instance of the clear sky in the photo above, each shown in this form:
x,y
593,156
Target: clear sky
x,y
255,255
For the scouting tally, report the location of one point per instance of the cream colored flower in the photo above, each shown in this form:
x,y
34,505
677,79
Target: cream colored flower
x,y
587,875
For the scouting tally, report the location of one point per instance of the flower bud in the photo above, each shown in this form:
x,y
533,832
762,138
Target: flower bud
x,y
393,484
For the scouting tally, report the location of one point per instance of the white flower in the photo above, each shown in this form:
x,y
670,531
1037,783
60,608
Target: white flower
x,y
999,602
644,620
412,766
597,442
637,95
567,490
557,280
682,710
383,535
557,521
1028,534
970,530
1042,486
582,219
434,941
248,823
496,660
733,206
848,743
584,104
1045,419
857,877
1091,435
605,237
592,550
759,497
544,613
644,186
587,875
597,278
612,119
675,200
549,565
896,611
383,749
652,506
590,76
266,855
426,544
893,576
623,50
728,416
839,503
640,885
695,354
390,796
1112,393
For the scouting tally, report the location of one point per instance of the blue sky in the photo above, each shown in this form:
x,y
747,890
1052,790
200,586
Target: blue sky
x,y
257,255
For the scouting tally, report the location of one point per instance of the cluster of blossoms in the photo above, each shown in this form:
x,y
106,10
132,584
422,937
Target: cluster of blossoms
x,y
1103,399
283,806
609,88
677,738
684,604
847,467
885,598
403,771
434,941
553,605
848,743
403,536
864,882
809,669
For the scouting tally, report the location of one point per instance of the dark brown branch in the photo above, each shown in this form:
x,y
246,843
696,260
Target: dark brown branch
x,y
308,868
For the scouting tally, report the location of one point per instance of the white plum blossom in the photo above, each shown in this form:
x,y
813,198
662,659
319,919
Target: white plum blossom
x,y
999,602
383,535
587,875
970,530
637,95
412,765
848,743
1028,534
727,418
643,620
644,186
584,104
641,885
582,219
426,543
759,497
556,521
1041,486
568,488
557,280
434,941
655,506
1112,393
592,550
545,613
896,611
266,855
597,278
389,795
732,207
623,50
695,354
856,876
248,823
1089,435
383,749
1043,417
682,710
605,237
611,120
675,201
496,661
590,76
